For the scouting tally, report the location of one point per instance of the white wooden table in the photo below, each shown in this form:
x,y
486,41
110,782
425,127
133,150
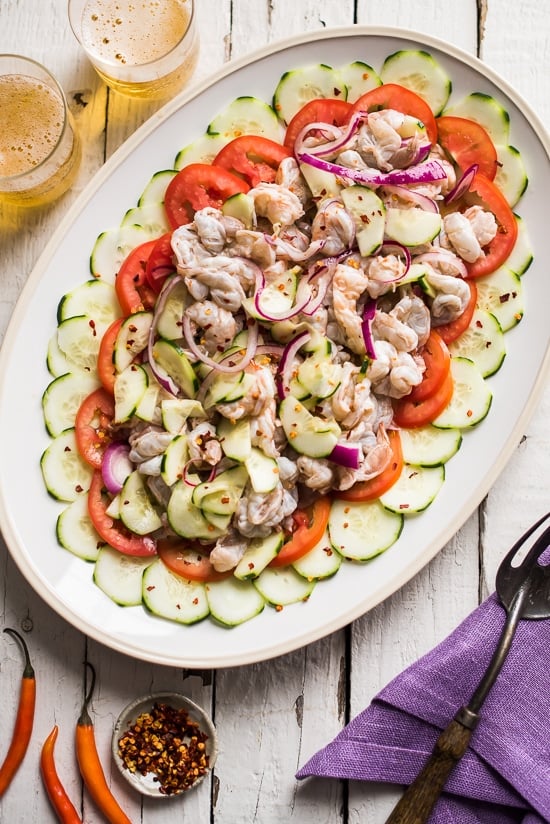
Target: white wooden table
x,y
270,716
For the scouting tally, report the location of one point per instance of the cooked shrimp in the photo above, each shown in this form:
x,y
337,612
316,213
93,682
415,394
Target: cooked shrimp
x,y
218,326
377,453
259,398
228,551
290,177
348,284
204,444
483,223
210,229
279,205
257,513
386,326
460,234
452,296
414,312
334,226
384,273
315,473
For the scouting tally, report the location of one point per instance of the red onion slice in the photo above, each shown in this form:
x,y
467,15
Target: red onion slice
x,y
220,366
368,314
116,466
347,454
283,376
425,172
462,185
340,139
428,204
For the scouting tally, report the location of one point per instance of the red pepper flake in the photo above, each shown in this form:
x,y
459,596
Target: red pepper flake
x,y
404,506
279,608
91,324
469,413
78,488
150,588
504,298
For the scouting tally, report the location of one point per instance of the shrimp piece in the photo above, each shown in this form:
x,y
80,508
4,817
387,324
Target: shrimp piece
x,y
438,188
405,373
377,453
384,272
386,326
362,407
414,312
254,246
258,399
218,325
262,430
460,234
334,226
204,444
452,296
348,284
147,443
225,289
315,473
210,229
483,224
342,400
380,366
290,177
278,204
228,551
258,513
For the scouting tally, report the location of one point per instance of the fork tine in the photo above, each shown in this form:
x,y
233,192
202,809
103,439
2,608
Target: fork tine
x,y
539,545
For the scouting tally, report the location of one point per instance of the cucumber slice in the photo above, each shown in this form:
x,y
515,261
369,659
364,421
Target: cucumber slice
x,y
222,494
322,561
150,216
132,338
522,254
429,446
136,510
112,247
359,531
79,339
169,324
146,410
359,78
486,111
283,586
246,115
56,361
76,532
233,602
321,184
62,398
130,387
175,412
412,227
298,87
155,190
184,517
421,73
235,438
415,489
511,176
319,376
174,459
203,150
66,475
120,576
241,207
369,215
173,360
169,596
260,552
501,293
263,471
471,398
482,342
94,298
308,434
277,296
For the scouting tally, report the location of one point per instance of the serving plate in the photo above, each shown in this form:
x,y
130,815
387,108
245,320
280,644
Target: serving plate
x,y
28,515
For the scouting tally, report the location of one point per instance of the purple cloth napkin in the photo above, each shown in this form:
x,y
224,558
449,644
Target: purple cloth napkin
x,y
504,776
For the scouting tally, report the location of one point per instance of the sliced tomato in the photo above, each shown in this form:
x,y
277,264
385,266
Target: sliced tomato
x,y
467,143
105,357
197,186
252,157
499,249
320,110
310,529
189,560
412,414
437,361
133,292
111,531
160,263
453,330
370,490
92,426
393,96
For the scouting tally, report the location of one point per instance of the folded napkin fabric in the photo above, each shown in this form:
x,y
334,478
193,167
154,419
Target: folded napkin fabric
x,y
504,777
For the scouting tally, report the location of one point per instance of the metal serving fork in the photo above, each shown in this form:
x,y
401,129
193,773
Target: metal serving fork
x,y
523,586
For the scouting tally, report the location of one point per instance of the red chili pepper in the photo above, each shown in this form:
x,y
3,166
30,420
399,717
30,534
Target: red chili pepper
x,y
90,765
60,801
23,722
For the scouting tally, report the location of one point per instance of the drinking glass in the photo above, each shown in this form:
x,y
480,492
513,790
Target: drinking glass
x,y
39,146
141,48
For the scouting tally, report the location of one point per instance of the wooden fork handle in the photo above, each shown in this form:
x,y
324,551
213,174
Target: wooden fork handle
x,y
419,798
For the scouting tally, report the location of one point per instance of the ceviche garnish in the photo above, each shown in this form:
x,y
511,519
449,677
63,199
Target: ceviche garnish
x,y
268,373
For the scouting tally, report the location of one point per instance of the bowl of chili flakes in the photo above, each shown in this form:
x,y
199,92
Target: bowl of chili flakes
x,y
164,744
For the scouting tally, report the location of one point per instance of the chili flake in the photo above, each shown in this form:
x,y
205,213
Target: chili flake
x,y
167,743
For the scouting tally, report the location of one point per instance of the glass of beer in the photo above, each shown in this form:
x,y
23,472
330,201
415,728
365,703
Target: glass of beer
x,y
141,48
39,146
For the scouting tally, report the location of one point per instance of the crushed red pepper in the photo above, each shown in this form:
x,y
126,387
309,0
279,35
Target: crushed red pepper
x,y
167,743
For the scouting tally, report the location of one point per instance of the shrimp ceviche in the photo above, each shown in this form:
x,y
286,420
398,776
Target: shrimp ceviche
x,y
283,344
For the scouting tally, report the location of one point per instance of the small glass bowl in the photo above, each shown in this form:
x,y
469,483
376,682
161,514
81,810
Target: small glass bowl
x,y
146,784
